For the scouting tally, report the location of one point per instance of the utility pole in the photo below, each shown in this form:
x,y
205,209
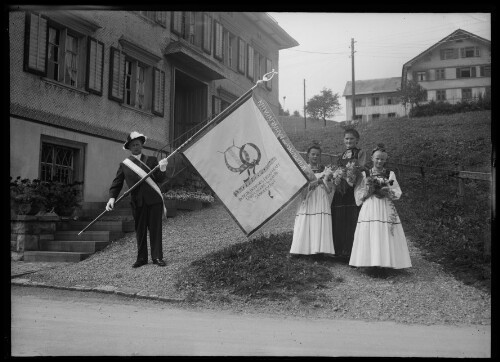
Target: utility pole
x,y
304,104
353,87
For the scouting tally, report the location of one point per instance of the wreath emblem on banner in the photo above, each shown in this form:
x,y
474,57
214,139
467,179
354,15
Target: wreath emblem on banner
x,y
241,159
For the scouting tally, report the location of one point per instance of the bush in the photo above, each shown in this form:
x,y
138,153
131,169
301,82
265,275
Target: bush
x,y
439,108
31,196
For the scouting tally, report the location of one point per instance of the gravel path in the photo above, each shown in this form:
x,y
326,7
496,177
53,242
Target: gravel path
x,y
423,294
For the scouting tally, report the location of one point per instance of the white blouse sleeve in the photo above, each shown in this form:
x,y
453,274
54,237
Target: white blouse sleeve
x,y
360,189
395,189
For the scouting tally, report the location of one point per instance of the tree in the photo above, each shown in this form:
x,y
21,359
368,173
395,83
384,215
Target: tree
x,y
296,113
412,93
323,105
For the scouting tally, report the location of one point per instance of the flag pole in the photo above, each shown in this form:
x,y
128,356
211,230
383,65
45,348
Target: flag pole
x,y
266,77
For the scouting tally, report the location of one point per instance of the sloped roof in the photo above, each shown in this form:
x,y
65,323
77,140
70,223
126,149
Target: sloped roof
x,y
369,86
457,34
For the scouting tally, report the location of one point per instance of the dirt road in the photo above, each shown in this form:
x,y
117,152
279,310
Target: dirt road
x,y
49,322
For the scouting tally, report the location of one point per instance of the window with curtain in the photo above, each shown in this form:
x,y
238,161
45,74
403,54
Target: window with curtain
x,y
63,55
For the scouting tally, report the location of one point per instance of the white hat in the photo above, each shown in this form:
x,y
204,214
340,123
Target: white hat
x,y
132,136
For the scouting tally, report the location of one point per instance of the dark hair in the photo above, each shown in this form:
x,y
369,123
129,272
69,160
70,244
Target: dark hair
x,y
352,131
380,147
314,145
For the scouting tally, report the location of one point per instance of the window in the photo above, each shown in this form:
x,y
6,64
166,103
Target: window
x,y
358,102
62,54
391,115
229,50
159,17
469,52
376,115
358,117
250,62
441,95
485,71
207,33
466,93
468,72
451,53
61,160
375,101
421,76
241,56
218,41
390,100
216,105
134,80
260,66
440,74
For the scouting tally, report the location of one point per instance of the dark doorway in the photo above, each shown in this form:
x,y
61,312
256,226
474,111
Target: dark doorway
x,y
190,106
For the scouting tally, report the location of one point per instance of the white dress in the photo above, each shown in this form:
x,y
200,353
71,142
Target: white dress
x,y
312,232
375,244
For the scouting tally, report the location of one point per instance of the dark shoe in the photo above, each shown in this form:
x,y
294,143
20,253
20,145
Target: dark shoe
x,y
159,262
139,263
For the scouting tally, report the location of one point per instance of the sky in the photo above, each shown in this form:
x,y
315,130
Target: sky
x,y
383,42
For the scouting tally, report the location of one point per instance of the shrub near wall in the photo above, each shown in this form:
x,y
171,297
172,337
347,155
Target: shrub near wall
x,y
438,108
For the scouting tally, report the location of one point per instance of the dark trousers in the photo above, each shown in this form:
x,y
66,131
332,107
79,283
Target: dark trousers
x,y
148,217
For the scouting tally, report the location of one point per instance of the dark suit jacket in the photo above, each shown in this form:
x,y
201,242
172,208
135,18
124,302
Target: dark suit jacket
x,y
142,194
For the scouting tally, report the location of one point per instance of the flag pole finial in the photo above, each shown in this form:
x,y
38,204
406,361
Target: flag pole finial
x,y
267,77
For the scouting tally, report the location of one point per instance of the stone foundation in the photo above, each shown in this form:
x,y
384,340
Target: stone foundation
x,y
26,231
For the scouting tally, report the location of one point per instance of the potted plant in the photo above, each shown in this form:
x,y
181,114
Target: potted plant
x,y
187,199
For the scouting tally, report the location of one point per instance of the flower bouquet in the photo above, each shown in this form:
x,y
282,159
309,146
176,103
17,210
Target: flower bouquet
x,y
377,185
344,176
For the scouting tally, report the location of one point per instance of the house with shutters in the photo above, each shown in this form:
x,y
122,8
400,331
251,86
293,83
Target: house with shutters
x,y
82,80
374,98
456,68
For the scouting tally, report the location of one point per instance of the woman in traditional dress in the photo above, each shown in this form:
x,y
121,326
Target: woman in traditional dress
x,y
312,232
343,208
379,240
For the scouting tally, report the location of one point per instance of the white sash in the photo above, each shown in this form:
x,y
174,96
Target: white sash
x,y
139,171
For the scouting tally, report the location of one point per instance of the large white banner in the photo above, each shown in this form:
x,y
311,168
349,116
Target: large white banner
x,y
248,165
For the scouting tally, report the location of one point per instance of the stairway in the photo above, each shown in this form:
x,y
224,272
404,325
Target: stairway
x,y
67,246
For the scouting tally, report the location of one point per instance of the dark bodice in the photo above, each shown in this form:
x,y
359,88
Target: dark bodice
x,y
348,155
319,169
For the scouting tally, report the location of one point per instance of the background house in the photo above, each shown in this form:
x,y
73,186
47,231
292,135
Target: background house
x,y
374,98
81,80
457,67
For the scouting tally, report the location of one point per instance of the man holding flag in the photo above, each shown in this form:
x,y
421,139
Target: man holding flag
x,y
146,199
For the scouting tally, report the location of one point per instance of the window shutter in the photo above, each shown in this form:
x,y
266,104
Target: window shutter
x,y
477,51
177,22
473,72
158,92
481,71
218,40
35,44
462,52
250,62
458,72
116,72
455,53
269,68
95,62
441,53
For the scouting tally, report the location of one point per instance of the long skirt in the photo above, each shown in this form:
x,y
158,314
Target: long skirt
x,y
344,220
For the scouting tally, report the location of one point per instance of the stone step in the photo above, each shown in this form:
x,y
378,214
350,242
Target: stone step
x,y
88,235
116,213
100,225
55,256
123,204
72,246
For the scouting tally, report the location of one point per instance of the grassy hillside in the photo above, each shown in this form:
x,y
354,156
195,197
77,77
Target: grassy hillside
x,y
448,230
